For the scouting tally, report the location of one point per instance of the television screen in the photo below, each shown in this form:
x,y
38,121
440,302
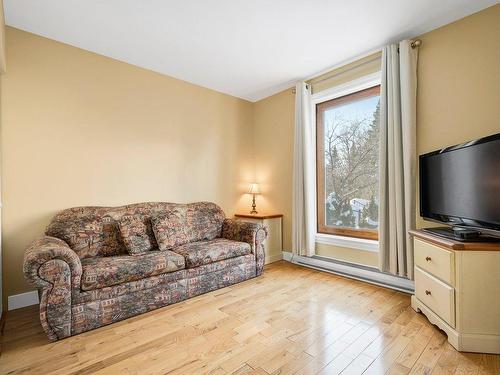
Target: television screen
x,y
460,185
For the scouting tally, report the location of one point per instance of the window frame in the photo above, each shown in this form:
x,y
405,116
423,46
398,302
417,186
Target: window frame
x,y
351,91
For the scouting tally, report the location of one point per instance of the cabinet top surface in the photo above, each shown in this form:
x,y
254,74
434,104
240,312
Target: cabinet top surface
x,y
258,216
455,245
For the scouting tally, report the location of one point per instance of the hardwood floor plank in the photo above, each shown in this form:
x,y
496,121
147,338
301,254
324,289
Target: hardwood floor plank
x,y
430,355
358,365
337,365
467,365
447,362
415,348
324,358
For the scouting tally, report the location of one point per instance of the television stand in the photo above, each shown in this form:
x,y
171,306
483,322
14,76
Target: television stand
x,y
457,285
461,234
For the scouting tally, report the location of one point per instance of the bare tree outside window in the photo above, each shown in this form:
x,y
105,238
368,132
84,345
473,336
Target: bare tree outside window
x,y
347,143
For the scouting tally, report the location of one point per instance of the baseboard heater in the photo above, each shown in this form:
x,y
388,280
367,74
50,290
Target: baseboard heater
x,y
354,271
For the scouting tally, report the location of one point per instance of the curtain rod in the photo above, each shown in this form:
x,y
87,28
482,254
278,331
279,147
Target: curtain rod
x,y
312,81
413,44
416,43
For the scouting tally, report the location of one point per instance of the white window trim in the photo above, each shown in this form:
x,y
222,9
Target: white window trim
x,y
349,242
355,85
359,84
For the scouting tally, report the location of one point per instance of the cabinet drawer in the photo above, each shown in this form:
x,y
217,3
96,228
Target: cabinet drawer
x,y
435,260
436,295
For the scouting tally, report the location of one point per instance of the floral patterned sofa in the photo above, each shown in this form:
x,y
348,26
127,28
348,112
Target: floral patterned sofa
x,y
98,265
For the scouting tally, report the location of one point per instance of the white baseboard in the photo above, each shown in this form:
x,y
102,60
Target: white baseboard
x,y
273,258
22,300
367,274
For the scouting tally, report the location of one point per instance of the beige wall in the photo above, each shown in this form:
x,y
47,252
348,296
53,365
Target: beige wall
x,y
458,100
458,95
273,143
82,129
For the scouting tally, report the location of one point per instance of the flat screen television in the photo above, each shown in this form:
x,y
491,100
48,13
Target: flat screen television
x,y
460,186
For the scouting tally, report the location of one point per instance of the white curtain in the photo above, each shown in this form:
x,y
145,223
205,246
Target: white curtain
x,y
2,70
2,39
304,178
397,158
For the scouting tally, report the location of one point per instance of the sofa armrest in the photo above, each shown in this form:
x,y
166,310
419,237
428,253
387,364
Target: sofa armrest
x,y
51,265
251,233
43,250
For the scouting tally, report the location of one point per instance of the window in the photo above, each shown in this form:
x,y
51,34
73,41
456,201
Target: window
x,y
347,133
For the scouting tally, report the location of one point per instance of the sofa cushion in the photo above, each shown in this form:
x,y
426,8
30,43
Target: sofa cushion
x,y
206,252
204,221
170,228
88,231
137,234
107,271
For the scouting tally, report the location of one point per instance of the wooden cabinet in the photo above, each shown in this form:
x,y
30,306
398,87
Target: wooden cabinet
x,y
273,246
457,287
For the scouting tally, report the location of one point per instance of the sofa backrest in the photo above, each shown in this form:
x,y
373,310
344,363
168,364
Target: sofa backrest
x,y
93,231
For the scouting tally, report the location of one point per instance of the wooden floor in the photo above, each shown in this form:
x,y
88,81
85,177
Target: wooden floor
x,y
292,320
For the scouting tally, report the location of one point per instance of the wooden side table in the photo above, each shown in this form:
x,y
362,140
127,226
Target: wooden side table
x,y
273,246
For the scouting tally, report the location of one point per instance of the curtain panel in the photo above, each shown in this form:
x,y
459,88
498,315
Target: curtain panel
x,y
2,39
397,158
304,178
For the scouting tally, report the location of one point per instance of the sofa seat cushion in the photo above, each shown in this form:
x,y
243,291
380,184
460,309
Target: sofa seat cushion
x,y
107,271
206,252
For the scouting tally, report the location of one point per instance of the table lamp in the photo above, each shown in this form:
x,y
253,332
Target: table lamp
x,y
254,189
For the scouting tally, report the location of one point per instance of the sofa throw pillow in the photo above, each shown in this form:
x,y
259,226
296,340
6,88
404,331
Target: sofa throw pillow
x,y
137,234
170,228
204,221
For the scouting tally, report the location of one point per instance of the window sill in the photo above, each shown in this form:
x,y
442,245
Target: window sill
x,y
349,242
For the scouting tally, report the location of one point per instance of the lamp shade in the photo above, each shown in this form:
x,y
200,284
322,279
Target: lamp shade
x,y
254,189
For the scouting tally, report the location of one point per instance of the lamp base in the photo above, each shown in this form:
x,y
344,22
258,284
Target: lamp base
x,y
254,206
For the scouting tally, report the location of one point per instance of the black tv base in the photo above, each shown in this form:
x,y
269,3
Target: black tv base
x,y
460,234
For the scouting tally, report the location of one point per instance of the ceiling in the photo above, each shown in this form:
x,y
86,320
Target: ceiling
x,y
246,48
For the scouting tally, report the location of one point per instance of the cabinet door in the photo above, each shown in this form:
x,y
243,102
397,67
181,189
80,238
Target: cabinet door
x,y
478,292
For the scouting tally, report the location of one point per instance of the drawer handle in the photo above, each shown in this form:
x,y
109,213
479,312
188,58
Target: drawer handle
x,y
428,259
428,292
